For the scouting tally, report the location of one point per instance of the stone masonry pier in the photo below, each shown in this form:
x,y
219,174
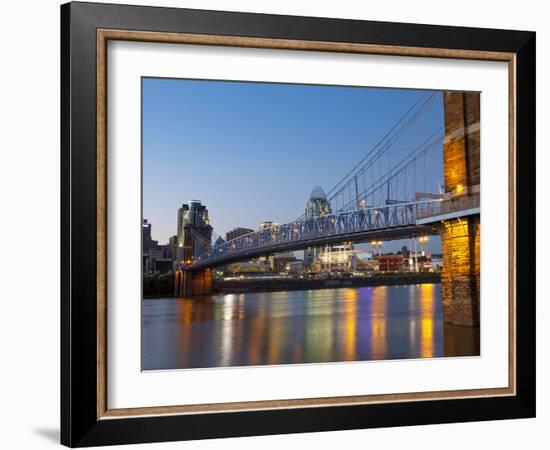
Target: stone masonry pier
x,y
460,237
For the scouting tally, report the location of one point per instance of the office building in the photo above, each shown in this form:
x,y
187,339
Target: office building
x,y
329,257
237,232
194,232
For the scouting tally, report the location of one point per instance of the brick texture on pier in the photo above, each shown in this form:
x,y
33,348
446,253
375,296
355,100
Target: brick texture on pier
x,y
460,241
460,238
461,146
201,282
193,282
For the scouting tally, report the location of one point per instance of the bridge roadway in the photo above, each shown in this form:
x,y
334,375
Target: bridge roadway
x,y
397,221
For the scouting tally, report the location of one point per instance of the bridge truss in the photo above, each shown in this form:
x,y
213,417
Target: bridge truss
x,y
397,221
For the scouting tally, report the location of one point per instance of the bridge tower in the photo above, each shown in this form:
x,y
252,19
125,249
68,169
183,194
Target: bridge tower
x,y
193,282
460,237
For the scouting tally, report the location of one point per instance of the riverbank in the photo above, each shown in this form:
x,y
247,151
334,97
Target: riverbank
x,y
297,284
163,286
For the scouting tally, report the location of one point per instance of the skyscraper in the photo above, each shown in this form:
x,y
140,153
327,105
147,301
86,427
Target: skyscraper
x,y
328,257
148,243
317,206
194,233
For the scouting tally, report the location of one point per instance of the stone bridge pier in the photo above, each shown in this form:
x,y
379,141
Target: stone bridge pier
x,y
460,237
193,282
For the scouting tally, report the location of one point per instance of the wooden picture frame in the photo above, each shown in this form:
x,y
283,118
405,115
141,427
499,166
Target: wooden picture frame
x,y
85,416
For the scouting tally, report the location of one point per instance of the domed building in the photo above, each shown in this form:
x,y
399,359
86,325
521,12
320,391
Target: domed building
x,y
327,257
318,205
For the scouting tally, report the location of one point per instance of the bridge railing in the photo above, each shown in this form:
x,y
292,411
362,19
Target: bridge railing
x,y
442,207
312,229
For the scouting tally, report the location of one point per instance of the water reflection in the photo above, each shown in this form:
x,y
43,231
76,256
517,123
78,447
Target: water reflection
x,y
427,308
349,335
378,319
349,324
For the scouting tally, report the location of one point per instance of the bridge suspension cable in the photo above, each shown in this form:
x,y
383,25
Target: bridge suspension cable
x,y
397,162
205,243
395,168
397,184
384,144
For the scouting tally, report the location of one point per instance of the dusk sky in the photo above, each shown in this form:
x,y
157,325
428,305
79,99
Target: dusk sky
x,y
253,152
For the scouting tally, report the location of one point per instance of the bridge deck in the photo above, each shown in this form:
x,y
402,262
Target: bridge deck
x,y
397,221
365,236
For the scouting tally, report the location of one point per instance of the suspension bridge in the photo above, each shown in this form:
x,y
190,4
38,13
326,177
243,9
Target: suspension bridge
x,y
416,180
382,197
397,221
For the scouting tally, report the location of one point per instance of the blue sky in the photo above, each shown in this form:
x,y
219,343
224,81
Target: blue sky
x,y
254,151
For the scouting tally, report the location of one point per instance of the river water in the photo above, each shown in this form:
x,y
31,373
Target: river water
x,y
324,325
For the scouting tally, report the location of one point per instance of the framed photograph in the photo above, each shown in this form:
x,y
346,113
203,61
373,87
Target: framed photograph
x,y
276,224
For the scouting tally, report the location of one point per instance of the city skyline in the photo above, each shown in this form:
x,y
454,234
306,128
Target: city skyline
x,y
281,139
